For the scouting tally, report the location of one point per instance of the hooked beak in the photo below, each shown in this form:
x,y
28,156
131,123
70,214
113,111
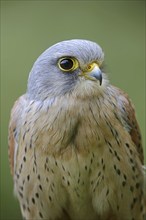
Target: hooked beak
x,y
93,73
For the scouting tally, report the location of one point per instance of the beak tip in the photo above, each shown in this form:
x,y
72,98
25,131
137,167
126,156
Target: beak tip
x,y
100,80
97,75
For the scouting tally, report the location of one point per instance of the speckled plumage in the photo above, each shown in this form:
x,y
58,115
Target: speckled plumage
x,y
74,145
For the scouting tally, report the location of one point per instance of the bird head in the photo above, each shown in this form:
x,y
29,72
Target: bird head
x,y
71,66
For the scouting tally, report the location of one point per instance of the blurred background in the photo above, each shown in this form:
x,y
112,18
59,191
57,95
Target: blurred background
x,y
29,27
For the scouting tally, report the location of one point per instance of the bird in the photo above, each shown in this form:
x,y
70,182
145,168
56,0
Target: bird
x,y
75,145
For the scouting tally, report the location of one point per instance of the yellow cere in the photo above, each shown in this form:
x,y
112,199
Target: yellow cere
x,y
91,66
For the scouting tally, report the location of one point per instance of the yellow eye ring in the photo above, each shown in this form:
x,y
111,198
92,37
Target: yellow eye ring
x,y
67,64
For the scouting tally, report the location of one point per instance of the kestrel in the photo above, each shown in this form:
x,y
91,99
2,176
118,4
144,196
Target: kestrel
x,y
74,142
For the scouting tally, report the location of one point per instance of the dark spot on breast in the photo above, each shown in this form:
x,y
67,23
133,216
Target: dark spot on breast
x,y
28,177
141,208
131,152
85,167
99,174
37,195
109,144
107,192
91,182
125,177
30,145
137,185
47,159
33,200
123,109
21,195
139,145
134,200
14,129
52,171
50,198
115,167
63,168
39,177
137,175
118,158
24,207
25,149
118,172
123,183
52,188
40,187
24,159
91,161
24,135
40,214
110,150
133,168
103,166
127,145
21,187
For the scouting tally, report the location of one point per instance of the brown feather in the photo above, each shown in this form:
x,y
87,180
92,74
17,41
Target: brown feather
x,y
128,114
15,112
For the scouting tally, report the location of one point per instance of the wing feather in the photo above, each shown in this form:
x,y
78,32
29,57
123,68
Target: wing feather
x,y
14,130
127,113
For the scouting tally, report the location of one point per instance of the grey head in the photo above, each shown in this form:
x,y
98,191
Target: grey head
x,y
48,79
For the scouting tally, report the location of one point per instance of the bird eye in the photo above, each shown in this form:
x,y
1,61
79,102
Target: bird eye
x,y
68,64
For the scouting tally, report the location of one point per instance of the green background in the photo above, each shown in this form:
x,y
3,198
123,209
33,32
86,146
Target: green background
x,y
29,27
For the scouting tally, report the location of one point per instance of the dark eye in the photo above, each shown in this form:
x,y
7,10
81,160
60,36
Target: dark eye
x,y
68,64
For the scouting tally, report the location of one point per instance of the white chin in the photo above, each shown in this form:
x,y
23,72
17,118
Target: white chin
x,y
87,88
